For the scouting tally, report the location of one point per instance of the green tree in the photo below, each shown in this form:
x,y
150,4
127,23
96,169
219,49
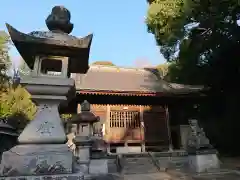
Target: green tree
x,y
166,19
5,62
23,68
173,20
163,68
196,35
104,63
16,103
202,39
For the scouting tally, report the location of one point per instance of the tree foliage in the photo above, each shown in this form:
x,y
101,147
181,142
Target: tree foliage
x,y
4,59
204,34
104,63
166,19
15,103
163,68
16,107
23,68
202,40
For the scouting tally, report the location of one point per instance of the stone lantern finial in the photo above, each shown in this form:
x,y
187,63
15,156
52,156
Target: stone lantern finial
x,y
59,20
85,106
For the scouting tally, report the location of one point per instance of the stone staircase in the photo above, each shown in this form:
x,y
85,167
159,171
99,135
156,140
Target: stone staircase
x,y
138,165
170,160
145,163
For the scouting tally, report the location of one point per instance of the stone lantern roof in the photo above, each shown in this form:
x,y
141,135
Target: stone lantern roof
x,y
55,42
85,116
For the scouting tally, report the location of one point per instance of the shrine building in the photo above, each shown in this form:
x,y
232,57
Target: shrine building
x,y
136,106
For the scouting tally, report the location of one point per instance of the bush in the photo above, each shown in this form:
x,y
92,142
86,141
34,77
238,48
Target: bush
x,y
16,105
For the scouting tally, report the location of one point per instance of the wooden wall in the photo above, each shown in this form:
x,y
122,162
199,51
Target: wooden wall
x,y
156,126
122,134
153,126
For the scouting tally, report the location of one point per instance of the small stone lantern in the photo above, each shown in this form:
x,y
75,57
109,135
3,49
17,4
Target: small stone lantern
x,y
83,140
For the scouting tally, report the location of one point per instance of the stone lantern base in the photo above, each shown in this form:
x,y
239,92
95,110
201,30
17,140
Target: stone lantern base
x,y
203,161
76,176
25,160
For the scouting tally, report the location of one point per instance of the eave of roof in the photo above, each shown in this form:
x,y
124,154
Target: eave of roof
x,y
112,80
120,93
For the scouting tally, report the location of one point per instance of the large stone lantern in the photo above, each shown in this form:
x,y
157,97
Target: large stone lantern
x,y
83,140
52,56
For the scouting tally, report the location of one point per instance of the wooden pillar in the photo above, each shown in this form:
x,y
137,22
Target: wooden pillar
x,y
78,111
142,130
168,129
107,127
78,108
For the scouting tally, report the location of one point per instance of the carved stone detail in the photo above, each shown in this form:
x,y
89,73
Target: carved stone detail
x,y
47,124
197,140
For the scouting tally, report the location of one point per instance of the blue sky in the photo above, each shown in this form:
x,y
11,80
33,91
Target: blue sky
x,y
120,34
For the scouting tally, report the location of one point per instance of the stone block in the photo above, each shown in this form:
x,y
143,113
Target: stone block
x,y
112,166
185,131
46,128
23,160
99,166
77,176
129,149
82,168
83,153
203,162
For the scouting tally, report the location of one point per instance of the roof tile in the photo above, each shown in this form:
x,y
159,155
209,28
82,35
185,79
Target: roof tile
x,y
120,79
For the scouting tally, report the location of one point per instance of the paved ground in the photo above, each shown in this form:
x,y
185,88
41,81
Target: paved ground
x,y
139,165
150,176
219,177
144,169
231,163
168,176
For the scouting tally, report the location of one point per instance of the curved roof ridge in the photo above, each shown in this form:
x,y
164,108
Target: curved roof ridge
x,y
119,68
113,78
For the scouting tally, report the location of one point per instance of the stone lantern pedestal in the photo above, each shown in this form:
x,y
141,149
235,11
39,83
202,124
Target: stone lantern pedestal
x,y
83,149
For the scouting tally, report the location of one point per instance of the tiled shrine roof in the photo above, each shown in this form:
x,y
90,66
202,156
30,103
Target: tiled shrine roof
x,y
111,79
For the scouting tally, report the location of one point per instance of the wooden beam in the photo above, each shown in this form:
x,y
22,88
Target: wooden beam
x,y
168,128
142,129
78,108
107,127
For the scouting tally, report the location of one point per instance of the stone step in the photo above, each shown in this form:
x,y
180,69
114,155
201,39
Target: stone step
x,y
220,176
139,165
170,162
112,166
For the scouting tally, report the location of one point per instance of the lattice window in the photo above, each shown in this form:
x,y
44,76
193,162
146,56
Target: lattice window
x,y
125,119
